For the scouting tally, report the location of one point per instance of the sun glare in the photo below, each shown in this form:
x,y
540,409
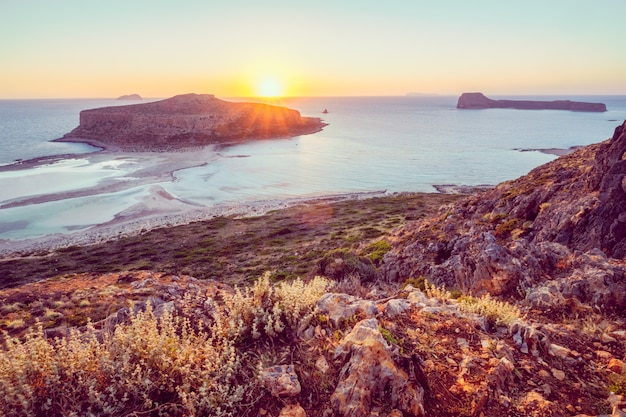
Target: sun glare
x,y
270,87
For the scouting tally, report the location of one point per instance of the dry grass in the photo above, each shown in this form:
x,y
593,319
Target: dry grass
x,y
162,361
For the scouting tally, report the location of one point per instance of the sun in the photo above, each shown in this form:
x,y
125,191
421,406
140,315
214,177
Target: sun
x,y
270,87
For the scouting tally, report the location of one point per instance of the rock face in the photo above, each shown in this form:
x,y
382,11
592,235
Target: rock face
x,y
186,121
370,372
130,97
555,237
479,101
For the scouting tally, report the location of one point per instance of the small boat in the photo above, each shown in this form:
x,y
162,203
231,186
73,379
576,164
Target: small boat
x,y
325,111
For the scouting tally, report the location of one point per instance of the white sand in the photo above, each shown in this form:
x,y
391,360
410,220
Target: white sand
x,y
157,216
111,195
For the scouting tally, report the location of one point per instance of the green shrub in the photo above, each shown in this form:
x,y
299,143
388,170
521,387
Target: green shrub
x,y
341,263
376,251
419,283
504,229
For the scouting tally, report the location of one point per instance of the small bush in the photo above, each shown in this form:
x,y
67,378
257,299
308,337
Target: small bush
x,y
419,283
497,312
434,291
340,263
182,359
504,229
150,364
264,309
376,251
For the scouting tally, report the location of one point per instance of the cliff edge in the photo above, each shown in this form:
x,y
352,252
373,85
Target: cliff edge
x,y
554,239
187,121
480,101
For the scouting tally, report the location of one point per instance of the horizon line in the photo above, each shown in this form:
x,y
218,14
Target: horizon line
x,y
408,95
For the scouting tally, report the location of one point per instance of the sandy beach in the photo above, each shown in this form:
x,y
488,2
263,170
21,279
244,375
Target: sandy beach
x,y
96,197
153,207
136,221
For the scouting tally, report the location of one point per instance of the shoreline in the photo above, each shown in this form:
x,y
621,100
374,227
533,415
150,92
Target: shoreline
x,y
158,208
138,222
551,151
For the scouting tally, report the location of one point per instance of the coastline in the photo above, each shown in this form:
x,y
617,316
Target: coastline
x,y
551,151
136,222
157,208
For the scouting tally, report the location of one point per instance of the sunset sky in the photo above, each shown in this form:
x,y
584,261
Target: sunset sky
x,y
83,48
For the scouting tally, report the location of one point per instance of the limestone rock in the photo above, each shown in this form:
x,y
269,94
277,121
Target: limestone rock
x,y
528,338
616,365
186,121
292,410
341,307
321,364
396,307
281,380
370,372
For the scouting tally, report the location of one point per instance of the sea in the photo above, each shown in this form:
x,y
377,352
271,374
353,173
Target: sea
x,y
392,144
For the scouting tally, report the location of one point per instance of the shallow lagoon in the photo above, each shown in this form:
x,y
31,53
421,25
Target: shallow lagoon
x,y
370,144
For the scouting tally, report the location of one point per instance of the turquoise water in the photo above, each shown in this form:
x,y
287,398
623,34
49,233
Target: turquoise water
x,y
370,144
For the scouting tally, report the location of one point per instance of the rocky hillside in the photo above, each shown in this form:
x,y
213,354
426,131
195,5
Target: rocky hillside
x,y
505,303
555,239
185,121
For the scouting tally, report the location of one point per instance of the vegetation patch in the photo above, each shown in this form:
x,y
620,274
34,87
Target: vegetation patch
x,y
235,249
376,251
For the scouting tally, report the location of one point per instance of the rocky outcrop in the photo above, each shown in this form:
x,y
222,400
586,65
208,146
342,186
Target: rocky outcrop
x,y
479,101
555,238
420,353
370,373
187,121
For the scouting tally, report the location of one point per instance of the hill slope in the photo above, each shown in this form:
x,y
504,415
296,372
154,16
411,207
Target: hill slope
x,y
553,239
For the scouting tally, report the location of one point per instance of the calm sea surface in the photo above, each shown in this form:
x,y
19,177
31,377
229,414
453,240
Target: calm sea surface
x,y
370,144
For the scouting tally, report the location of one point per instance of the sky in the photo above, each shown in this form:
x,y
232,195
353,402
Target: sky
x,y
239,48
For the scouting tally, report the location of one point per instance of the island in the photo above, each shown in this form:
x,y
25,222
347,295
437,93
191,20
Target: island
x,y
480,101
187,121
130,97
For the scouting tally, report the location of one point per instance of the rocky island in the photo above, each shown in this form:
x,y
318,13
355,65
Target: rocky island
x,y
130,97
187,121
480,101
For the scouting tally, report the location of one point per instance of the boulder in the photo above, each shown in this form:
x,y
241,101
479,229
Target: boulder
x,y
370,373
281,380
292,410
341,307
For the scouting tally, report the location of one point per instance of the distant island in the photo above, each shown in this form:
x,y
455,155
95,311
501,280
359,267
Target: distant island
x,y
187,121
480,101
413,94
130,97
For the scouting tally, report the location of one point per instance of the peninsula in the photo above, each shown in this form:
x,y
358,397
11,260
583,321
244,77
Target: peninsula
x,y
187,121
480,101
